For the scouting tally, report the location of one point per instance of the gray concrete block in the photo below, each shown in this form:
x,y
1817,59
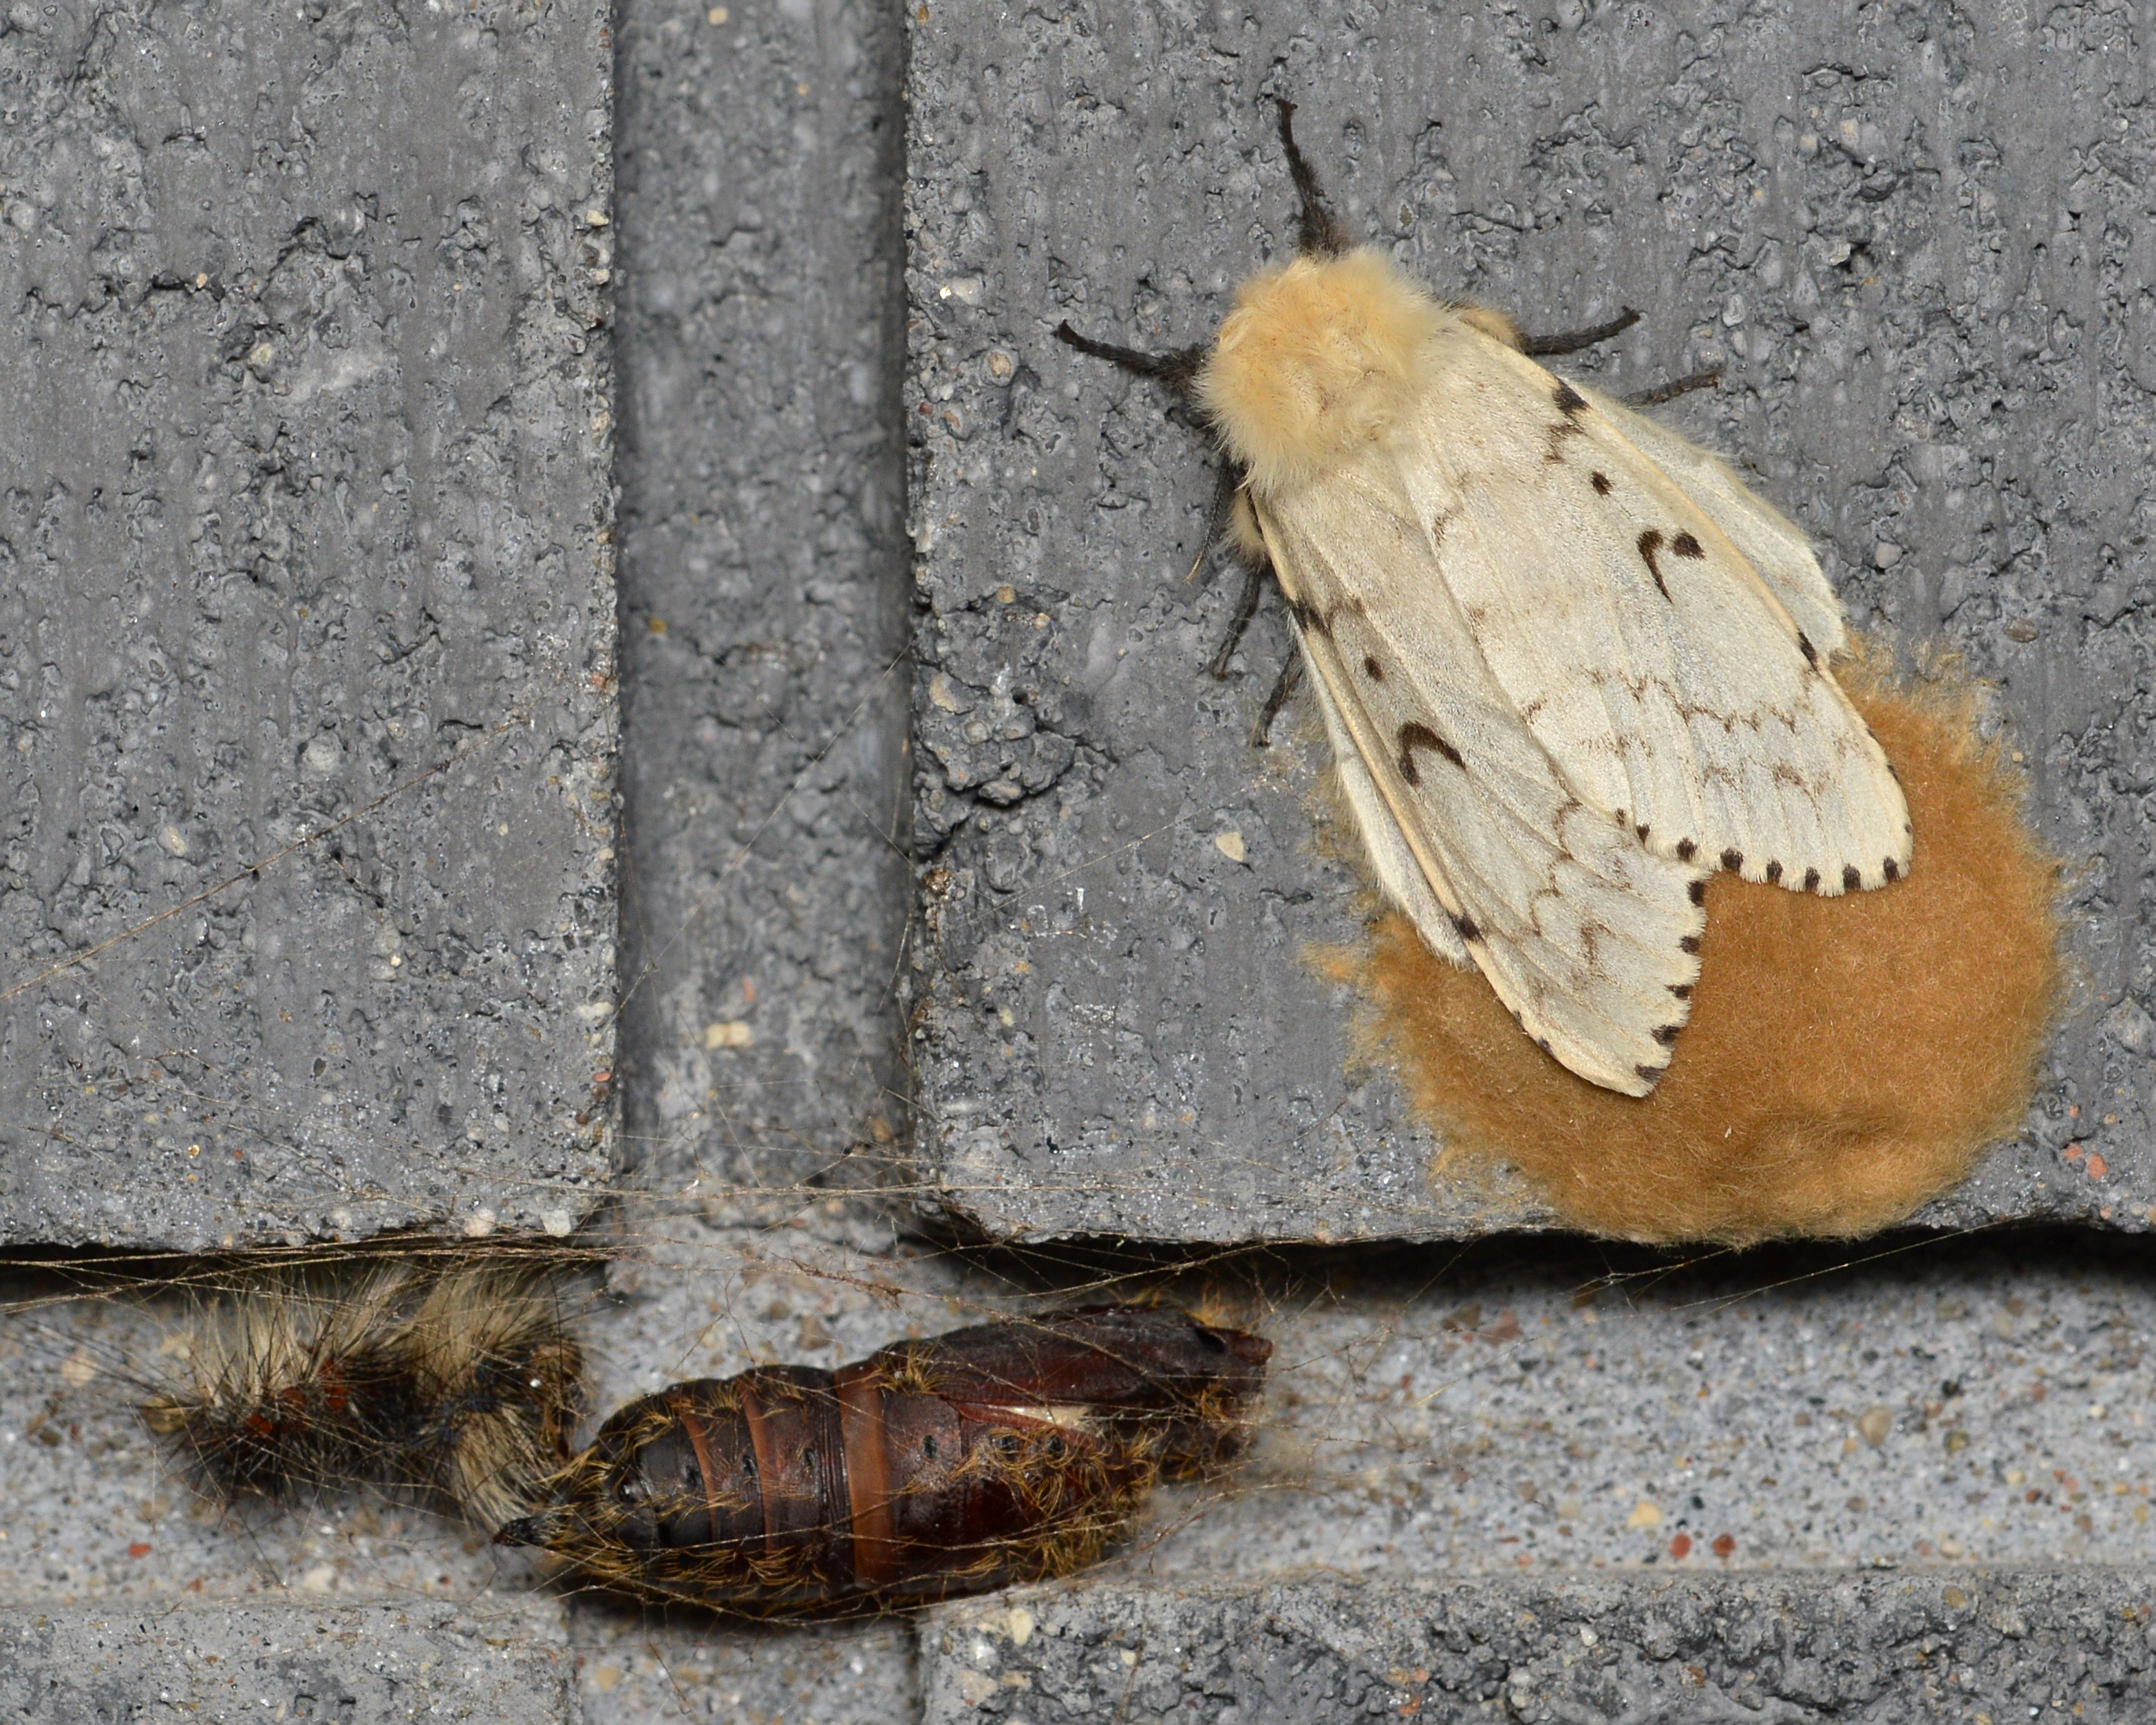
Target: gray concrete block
x,y
1946,1643
306,619
1967,1400
765,711
394,1660
740,311
1407,1392
1909,242
762,599
635,1667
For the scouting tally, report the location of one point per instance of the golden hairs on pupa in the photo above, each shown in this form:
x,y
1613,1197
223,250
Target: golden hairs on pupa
x,y
1008,1451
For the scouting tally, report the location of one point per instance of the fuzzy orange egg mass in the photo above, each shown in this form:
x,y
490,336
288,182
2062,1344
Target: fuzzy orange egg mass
x,y
1846,1058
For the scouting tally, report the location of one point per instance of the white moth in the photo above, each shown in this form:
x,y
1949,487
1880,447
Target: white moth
x,y
1569,666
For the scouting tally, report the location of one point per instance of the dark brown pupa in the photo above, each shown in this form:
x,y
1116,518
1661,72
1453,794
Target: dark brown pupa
x,y
1004,1452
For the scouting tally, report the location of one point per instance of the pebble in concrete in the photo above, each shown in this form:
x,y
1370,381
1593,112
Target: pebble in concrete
x,y
1962,1645
306,620
272,1661
1906,243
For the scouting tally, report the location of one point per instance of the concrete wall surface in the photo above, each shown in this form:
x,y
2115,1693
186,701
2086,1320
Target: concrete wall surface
x,y
306,619
765,688
421,1659
1519,1412
1948,1644
1913,240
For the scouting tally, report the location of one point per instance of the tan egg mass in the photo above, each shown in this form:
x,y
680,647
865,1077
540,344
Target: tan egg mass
x,y
1846,1060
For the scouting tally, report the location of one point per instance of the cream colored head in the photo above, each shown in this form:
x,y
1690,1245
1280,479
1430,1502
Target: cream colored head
x,y
1318,359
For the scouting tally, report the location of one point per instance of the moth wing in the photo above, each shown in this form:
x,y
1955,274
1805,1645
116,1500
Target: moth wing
x,y
1667,683
1590,940
1780,555
1392,859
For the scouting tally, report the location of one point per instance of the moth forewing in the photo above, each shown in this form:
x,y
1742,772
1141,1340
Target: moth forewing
x,y
1778,554
1399,872
1666,680
1589,939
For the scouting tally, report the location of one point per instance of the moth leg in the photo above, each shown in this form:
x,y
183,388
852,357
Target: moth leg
x,y
1249,546
1670,392
1176,369
1317,235
1290,679
1216,517
1572,341
1246,607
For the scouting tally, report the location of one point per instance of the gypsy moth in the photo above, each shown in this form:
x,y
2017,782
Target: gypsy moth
x,y
456,1381
1570,666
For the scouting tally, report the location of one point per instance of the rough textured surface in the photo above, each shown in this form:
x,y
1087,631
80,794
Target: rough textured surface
x,y
1537,1410
636,1668
1929,305
305,570
395,1660
1941,1400
1960,1645
762,345
764,698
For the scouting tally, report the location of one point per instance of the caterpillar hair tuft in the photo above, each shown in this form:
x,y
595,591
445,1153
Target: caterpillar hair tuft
x,y
456,1381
